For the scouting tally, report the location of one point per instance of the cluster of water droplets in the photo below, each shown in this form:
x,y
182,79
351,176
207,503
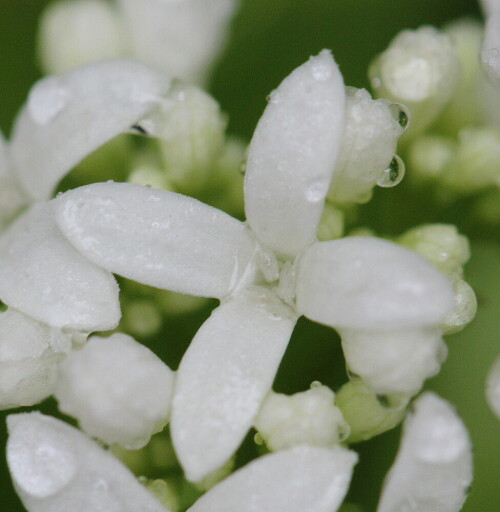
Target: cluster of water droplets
x,y
395,173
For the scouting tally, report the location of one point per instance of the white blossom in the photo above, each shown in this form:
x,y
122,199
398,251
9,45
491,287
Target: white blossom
x,y
181,37
65,118
56,468
266,272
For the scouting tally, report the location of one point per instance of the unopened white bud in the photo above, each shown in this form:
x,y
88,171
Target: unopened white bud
x,y
429,156
367,414
191,130
420,69
477,160
372,128
467,105
73,33
29,354
396,361
119,391
310,417
493,387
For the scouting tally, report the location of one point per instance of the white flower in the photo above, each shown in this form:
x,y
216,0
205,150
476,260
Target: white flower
x,y
266,272
56,467
181,37
41,275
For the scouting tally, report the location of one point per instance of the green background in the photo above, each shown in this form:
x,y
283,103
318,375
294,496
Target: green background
x,y
270,38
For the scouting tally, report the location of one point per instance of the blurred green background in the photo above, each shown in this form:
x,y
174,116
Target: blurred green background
x,y
268,40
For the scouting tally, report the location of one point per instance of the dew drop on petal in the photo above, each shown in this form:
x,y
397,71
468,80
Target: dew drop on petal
x,y
47,99
393,175
400,114
316,191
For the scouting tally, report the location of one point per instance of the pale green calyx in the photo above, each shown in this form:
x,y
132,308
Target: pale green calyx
x,y
309,417
366,158
441,244
420,69
367,414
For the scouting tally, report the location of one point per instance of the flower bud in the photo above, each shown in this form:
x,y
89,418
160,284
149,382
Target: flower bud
x,y
371,130
77,32
119,391
309,417
420,69
367,415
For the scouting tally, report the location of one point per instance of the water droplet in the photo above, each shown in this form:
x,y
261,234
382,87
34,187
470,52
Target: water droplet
x,y
316,191
321,71
400,114
315,384
47,99
393,175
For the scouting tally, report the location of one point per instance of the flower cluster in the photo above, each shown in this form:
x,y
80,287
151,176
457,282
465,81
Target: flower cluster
x,y
318,151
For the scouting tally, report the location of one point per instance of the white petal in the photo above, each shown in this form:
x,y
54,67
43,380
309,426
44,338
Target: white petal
x,y
493,387
157,237
42,275
91,30
396,361
180,37
69,116
292,156
490,52
368,283
56,468
29,355
12,197
433,468
304,478
224,375
118,389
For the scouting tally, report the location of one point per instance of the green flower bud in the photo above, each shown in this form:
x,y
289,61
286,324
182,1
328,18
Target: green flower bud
x,y
369,415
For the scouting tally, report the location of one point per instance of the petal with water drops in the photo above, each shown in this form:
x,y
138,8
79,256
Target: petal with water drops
x,y
43,276
157,237
181,38
292,156
69,116
368,283
223,378
433,468
56,468
304,478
